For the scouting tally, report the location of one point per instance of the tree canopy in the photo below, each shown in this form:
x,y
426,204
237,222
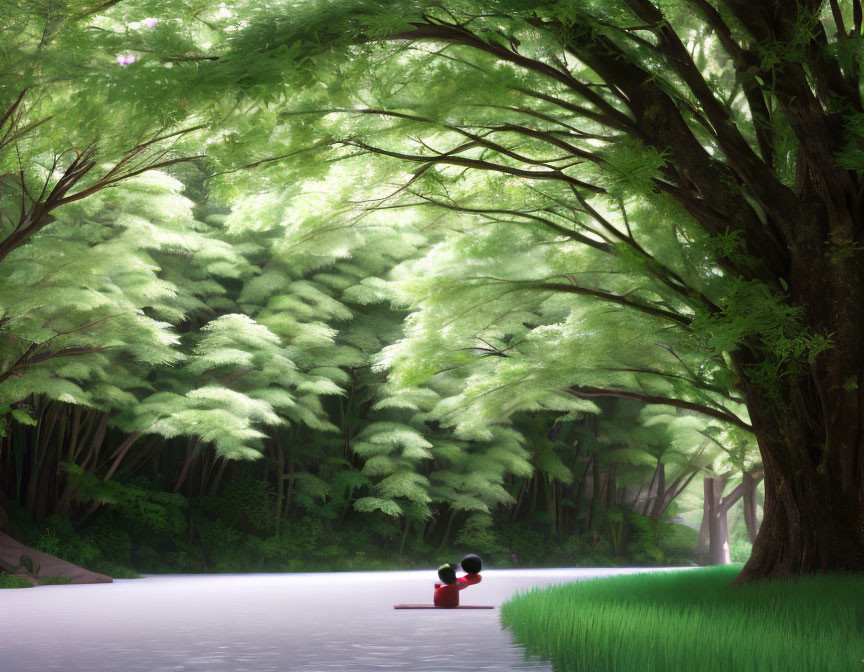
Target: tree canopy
x,y
446,219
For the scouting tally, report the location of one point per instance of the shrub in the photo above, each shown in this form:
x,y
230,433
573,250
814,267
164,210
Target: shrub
x,y
740,549
677,541
9,581
114,544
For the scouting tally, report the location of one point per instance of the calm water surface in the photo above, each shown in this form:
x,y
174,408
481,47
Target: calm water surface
x,y
340,622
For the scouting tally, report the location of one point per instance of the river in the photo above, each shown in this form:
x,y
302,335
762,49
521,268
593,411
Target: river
x,y
331,622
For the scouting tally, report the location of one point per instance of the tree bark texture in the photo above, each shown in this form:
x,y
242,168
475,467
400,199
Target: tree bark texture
x,y
811,446
803,241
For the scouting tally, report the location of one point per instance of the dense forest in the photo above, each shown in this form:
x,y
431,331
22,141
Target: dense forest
x,y
362,284
259,432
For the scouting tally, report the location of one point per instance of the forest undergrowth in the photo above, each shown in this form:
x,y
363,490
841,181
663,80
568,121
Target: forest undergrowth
x,y
154,531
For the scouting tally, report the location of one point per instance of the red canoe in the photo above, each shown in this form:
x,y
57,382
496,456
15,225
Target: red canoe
x,y
432,606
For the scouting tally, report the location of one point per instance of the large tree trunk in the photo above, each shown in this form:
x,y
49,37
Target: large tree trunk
x,y
809,427
803,242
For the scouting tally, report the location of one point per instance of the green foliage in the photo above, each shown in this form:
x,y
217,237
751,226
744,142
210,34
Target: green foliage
x,y
752,312
160,511
250,498
740,549
385,277
678,541
7,581
114,544
57,536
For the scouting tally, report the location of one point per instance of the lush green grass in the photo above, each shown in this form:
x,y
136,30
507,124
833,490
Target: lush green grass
x,y
7,581
692,622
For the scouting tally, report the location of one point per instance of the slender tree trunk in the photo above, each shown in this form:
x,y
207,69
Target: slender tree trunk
x,y
446,538
518,505
660,499
46,475
551,503
217,480
595,493
120,454
187,464
715,514
720,553
5,526
611,488
6,456
404,537
678,485
39,441
651,488
289,493
96,443
280,487
702,544
577,495
635,503
49,479
535,486
750,520
76,428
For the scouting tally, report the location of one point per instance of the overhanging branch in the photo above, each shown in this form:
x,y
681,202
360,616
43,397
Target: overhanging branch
x,y
611,298
480,164
725,416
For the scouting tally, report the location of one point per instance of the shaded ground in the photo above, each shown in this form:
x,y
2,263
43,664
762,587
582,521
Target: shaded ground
x,y
265,622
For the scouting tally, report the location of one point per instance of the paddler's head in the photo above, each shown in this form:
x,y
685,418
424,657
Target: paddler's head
x,y
447,573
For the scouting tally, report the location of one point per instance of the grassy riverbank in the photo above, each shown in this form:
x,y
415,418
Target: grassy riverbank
x,y
691,621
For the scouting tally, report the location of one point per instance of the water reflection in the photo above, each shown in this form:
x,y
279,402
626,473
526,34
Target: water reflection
x,y
264,623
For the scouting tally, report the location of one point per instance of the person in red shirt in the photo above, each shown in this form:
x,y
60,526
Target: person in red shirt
x,y
447,592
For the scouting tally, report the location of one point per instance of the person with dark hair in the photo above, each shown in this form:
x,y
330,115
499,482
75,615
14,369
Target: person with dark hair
x,y
447,592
